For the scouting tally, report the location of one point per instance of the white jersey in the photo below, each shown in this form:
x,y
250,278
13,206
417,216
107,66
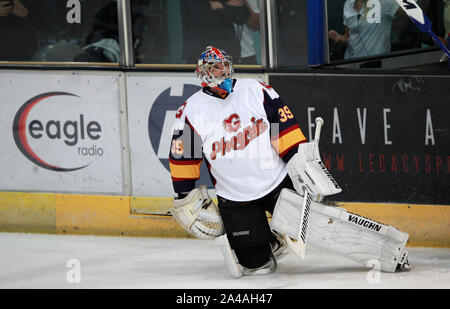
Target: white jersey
x,y
234,135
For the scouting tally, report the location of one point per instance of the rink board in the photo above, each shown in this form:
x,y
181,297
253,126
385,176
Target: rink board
x,y
86,152
80,214
427,225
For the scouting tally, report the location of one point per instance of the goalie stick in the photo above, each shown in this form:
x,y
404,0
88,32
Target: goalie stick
x,y
422,22
299,247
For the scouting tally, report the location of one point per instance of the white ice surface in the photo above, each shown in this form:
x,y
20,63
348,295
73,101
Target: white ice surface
x,y
40,261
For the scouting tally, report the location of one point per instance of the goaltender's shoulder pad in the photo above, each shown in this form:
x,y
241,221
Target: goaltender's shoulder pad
x,y
257,86
269,90
245,83
190,107
180,117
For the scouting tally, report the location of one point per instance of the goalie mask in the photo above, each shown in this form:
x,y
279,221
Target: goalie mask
x,y
215,68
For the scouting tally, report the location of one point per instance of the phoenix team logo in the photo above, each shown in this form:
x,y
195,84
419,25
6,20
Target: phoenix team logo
x,y
232,123
241,139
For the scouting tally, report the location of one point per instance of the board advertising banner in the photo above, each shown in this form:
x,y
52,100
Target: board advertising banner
x,y
60,132
385,138
153,101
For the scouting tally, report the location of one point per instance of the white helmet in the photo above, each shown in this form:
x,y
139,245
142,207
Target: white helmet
x,y
209,60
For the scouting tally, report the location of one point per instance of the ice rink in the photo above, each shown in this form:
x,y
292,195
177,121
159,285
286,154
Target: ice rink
x,y
59,261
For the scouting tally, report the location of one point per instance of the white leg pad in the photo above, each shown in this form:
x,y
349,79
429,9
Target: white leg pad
x,y
231,260
346,234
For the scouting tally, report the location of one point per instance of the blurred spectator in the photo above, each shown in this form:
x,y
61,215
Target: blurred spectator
x,y
364,35
335,21
102,44
17,30
95,39
207,23
434,10
245,34
406,35
141,24
151,25
12,7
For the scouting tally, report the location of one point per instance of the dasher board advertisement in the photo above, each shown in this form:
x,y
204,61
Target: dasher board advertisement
x,y
384,139
152,104
60,132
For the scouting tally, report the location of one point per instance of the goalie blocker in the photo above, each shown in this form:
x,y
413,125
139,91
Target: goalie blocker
x,y
308,172
346,234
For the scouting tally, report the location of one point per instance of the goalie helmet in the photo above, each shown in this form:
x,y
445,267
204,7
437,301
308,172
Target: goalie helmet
x,y
214,66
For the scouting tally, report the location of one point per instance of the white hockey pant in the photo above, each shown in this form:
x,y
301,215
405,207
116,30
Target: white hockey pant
x,y
335,229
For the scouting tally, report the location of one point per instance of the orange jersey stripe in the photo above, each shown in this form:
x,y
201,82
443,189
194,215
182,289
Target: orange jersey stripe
x,y
185,171
286,131
285,142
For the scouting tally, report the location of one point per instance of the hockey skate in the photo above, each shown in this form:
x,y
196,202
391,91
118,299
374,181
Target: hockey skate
x,y
236,270
266,269
403,265
279,246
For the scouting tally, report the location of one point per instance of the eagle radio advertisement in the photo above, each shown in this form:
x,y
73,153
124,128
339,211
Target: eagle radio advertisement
x,y
60,133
